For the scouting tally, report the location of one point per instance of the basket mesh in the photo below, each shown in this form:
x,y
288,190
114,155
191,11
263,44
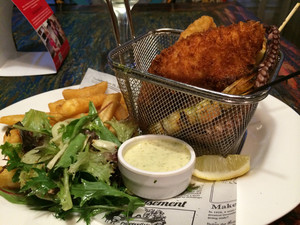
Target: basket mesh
x,y
209,125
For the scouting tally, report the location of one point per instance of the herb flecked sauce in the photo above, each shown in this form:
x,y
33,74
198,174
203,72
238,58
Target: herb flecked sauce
x,y
157,155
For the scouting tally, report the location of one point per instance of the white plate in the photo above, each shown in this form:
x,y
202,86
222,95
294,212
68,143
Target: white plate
x,y
266,193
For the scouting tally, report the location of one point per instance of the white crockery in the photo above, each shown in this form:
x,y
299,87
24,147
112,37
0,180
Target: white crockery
x,y
155,185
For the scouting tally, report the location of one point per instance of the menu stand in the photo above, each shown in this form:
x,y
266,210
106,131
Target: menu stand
x,y
43,20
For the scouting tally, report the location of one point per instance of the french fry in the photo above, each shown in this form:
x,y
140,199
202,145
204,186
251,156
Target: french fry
x,y
121,112
108,112
11,120
111,129
13,137
55,117
94,90
79,115
123,103
53,106
114,97
6,179
122,100
76,106
109,106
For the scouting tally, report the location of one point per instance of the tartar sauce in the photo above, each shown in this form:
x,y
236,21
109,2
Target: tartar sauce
x,y
157,155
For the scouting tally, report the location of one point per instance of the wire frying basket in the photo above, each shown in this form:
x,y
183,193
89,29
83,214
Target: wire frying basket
x,y
211,122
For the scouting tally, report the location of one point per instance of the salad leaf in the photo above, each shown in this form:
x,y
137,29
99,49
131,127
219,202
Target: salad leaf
x,y
70,154
76,126
98,126
124,129
36,121
40,184
35,129
32,201
58,130
31,139
31,157
105,146
53,161
93,163
13,152
64,192
103,132
111,199
13,197
40,154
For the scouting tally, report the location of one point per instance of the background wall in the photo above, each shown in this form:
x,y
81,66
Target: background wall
x,y
268,11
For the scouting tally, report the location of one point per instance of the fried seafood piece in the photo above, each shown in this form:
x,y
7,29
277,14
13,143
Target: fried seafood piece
x,y
212,59
202,24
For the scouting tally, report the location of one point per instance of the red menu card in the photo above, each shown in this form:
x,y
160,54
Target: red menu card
x,y
43,20
41,17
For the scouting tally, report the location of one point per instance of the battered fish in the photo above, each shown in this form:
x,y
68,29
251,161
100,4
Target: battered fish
x,y
212,59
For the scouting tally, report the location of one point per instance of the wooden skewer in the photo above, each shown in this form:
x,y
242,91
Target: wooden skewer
x,y
289,17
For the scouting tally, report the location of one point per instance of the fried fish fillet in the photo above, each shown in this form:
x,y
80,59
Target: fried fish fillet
x,y
212,59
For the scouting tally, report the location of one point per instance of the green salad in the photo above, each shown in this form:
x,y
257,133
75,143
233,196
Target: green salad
x,y
71,167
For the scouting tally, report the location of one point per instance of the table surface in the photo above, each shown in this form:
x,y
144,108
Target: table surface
x,y
90,34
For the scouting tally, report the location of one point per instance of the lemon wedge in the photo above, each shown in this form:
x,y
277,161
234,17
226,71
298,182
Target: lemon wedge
x,y
215,167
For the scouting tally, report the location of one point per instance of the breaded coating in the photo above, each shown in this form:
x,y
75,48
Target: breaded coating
x,y
202,24
212,59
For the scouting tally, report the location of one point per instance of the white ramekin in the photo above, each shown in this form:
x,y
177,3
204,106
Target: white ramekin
x,y
155,185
